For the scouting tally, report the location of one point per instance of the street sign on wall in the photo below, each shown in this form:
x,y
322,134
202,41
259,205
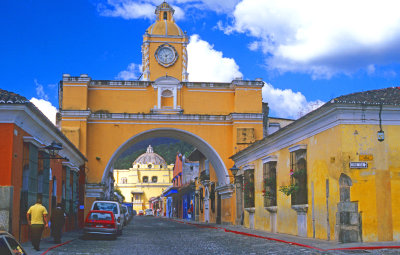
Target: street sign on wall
x,y
358,165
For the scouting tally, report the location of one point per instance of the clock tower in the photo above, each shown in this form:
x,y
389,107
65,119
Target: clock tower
x,y
164,47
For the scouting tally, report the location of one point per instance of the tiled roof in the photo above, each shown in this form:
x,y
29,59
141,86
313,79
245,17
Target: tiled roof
x,y
7,97
386,96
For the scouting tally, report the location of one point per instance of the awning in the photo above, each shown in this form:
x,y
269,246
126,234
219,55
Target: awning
x,y
170,191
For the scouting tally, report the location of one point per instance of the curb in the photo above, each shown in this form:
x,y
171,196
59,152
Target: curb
x,y
287,242
58,245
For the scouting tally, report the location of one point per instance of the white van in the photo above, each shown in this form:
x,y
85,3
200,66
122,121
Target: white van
x,y
114,207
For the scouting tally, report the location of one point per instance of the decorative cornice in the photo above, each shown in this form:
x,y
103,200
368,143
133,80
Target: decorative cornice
x,y
248,167
271,158
82,113
73,79
70,165
166,117
298,147
225,191
33,141
244,83
119,84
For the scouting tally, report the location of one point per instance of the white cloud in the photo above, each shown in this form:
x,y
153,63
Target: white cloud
x,y
131,73
287,103
321,37
130,9
40,90
207,64
46,108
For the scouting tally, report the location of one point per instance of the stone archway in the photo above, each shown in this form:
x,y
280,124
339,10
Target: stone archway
x,y
205,148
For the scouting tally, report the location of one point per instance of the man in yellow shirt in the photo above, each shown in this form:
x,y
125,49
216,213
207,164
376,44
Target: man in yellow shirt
x,y
37,220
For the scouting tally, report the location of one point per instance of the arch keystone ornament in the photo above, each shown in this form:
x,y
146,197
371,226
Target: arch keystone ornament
x,y
104,118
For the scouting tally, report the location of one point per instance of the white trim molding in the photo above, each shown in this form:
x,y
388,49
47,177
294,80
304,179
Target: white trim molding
x,y
33,141
271,158
248,167
225,191
70,165
298,147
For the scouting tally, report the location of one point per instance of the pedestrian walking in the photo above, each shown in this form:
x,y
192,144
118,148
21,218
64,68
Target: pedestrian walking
x,y
37,220
57,220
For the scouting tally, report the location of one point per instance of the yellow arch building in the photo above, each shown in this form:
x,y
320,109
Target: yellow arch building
x,y
148,177
105,117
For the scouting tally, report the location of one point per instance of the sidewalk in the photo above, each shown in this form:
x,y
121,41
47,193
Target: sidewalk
x,y
48,242
317,244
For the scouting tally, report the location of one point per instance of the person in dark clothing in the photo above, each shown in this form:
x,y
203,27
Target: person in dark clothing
x,y
57,222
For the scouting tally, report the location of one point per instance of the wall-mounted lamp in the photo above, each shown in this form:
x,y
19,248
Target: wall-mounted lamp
x,y
380,134
234,170
53,150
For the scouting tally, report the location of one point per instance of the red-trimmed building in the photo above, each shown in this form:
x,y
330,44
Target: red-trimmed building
x,y
27,170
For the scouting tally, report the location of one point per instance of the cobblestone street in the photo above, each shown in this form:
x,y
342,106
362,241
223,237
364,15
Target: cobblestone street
x,y
150,235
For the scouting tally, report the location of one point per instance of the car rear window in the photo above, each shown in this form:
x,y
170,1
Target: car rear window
x,y
100,216
15,247
104,206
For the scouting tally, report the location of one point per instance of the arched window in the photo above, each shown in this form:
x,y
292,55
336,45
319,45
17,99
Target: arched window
x,y
154,179
124,180
165,15
167,99
145,179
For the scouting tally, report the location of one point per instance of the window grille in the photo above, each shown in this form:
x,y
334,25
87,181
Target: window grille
x,y
298,163
269,185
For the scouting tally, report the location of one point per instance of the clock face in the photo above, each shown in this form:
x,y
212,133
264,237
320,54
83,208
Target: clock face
x,y
166,55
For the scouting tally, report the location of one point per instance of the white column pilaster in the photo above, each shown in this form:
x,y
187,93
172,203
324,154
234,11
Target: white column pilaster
x,y
159,98
175,98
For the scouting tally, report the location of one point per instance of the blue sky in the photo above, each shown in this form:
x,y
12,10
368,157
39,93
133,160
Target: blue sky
x,y
307,53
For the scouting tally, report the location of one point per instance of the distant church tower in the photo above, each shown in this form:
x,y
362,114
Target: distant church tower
x,y
164,47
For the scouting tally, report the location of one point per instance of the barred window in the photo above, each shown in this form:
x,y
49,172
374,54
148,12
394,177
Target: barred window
x,y
248,188
269,185
298,163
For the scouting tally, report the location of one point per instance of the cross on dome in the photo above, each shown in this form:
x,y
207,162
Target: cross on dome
x,y
150,149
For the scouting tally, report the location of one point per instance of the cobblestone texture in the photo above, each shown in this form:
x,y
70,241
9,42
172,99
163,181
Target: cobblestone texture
x,y
150,235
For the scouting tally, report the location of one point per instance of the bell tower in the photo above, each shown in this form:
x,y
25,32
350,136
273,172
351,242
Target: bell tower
x,y
164,47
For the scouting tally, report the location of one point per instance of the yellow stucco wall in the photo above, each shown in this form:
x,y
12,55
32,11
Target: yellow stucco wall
x,y
328,155
135,183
